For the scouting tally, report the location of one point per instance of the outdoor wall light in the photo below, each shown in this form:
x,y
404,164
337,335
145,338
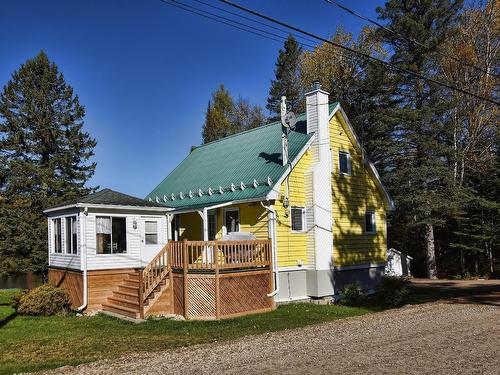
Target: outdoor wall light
x,y
134,224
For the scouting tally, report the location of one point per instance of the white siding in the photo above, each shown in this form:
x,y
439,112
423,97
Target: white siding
x,y
135,237
62,260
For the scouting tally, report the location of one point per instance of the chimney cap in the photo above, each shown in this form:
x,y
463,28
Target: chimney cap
x,y
316,85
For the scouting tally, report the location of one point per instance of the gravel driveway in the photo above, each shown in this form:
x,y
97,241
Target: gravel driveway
x,y
437,338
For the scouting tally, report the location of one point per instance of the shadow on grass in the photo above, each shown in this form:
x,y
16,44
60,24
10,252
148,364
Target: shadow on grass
x,y
468,292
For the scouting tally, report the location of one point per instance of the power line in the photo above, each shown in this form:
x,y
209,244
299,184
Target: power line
x,y
229,22
365,55
411,40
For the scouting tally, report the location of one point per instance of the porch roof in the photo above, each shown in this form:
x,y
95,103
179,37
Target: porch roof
x,y
243,166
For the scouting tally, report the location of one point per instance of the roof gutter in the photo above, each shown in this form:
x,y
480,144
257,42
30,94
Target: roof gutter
x,y
107,206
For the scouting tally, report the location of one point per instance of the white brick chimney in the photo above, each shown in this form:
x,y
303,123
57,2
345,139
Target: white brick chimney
x,y
319,205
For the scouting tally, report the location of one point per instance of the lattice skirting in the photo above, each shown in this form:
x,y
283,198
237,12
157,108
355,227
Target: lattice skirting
x,y
240,293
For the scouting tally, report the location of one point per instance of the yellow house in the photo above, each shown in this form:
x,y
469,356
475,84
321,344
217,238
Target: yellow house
x,y
321,203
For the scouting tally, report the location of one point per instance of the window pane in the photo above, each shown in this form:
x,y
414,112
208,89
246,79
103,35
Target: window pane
x,y
151,227
232,221
57,236
297,216
71,238
212,227
119,235
151,238
344,163
103,243
370,222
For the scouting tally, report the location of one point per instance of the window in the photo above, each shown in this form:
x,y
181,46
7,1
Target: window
x,y
232,220
174,228
71,235
297,219
370,222
56,225
111,235
151,232
344,163
212,225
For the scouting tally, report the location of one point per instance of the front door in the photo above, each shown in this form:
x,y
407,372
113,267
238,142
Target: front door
x,y
151,242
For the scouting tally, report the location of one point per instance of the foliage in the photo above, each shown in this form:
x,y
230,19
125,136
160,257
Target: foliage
x,y
287,80
35,343
352,295
44,156
392,291
44,300
225,116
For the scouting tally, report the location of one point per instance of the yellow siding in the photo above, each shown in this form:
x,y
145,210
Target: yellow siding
x,y
191,227
352,197
253,219
292,247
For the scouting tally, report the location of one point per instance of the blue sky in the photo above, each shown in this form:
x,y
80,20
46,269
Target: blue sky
x,y
145,70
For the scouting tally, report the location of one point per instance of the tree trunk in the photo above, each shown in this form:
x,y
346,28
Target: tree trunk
x,y
431,253
476,263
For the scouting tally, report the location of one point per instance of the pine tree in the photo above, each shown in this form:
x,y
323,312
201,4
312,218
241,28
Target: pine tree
x,y
225,116
287,80
217,124
44,159
421,180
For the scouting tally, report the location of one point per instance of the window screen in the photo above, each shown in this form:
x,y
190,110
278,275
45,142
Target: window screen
x,y
57,235
151,232
297,218
369,222
111,235
344,163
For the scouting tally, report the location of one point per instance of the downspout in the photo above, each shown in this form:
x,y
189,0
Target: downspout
x,y
274,252
83,254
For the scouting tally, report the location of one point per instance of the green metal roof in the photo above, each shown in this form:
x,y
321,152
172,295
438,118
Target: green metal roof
x,y
253,155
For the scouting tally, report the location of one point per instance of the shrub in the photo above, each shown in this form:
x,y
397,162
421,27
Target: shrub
x,y
43,300
352,295
392,291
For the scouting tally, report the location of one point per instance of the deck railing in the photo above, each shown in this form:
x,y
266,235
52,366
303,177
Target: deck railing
x,y
211,255
203,255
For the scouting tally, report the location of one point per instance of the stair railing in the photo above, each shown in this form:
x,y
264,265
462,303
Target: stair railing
x,y
155,272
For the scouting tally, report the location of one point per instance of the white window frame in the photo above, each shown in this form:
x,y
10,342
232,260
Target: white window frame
x,y
70,250
53,221
126,235
374,222
224,227
157,221
349,164
303,209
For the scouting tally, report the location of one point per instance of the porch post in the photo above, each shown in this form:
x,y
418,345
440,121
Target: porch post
x,y
205,224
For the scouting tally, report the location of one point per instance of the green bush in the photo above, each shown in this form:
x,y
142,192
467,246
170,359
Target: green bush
x,y
392,291
44,300
352,295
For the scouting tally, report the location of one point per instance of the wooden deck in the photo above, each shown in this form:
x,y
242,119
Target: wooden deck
x,y
199,280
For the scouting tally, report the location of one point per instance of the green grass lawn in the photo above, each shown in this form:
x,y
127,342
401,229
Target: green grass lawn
x,y
36,343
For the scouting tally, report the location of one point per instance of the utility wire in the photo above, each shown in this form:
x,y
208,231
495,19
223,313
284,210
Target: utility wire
x,y
229,22
365,55
411,40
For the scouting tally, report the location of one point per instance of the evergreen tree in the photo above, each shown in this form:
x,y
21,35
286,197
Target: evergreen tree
x,y
225,116
217,118
44,156
287,80
420,180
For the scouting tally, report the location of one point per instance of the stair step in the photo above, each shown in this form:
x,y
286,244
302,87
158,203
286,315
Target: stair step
x,y
126,295
122,310
130,283
124,302
129,288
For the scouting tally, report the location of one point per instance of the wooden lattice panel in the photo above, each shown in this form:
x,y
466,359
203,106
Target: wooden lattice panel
x,y
178,291
244,292
201,297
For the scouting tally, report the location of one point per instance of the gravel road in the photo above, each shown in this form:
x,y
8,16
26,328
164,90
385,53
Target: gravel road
x,y
437,338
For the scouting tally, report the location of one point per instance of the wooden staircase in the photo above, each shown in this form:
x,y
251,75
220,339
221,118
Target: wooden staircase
x,y
144,292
